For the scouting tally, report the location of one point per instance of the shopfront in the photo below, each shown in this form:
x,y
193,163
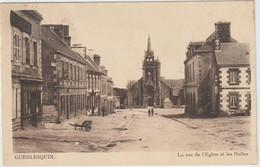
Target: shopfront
x,y
31,106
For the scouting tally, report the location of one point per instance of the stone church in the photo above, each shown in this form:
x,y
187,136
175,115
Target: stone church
x,y
152,89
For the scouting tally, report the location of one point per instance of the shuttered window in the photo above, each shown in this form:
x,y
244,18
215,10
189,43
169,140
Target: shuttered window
x,y
17,47
35,54
27,50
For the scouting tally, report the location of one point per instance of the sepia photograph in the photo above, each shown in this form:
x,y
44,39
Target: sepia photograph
x,y
128,83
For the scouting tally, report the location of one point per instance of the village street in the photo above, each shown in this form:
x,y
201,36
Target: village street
x,y
133,130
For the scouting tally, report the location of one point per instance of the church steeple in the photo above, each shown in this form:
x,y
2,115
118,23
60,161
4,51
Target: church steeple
x,y
149,52
149,44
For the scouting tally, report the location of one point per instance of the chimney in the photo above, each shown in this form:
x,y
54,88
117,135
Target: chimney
x,y
222,32
97,59
62,31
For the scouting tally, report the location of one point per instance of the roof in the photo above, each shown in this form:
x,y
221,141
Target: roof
x,y
207,45
196,43
59,45
213,35
173,83
33,13
233,54
94,65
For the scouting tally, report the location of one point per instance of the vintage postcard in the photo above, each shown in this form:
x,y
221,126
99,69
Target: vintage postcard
x,y
128,83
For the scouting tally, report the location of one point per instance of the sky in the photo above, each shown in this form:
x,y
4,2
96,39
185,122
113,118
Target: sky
x,y
118,32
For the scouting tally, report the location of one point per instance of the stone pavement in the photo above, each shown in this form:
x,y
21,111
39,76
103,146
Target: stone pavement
x,y
133,130
104,130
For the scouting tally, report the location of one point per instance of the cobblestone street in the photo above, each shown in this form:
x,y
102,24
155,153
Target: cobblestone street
x,y
133,130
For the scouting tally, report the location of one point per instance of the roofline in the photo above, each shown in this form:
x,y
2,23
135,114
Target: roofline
x,y
34,14
233,65
192,43
55,25
59,38
61,51
70,56
96,72
197,51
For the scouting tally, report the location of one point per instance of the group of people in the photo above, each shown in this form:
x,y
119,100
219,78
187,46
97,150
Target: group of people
x,y
150,111
94,110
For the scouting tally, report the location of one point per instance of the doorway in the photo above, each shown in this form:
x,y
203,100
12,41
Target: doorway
x,y
150,102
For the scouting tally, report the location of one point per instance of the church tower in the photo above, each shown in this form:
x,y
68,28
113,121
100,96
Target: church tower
x,y
151,77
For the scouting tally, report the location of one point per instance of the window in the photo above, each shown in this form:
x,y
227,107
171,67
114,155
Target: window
x,y
98,83
249,75
27,50
74,77
233,77
233,101
62,69
66,70
92,81
78,74
95,82
17,47
35,53
190,73
71,71
88,81
193,72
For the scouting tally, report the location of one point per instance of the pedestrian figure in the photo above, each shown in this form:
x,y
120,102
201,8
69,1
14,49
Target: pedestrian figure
x,y
103,111
149,112
152,111
87,110
93,110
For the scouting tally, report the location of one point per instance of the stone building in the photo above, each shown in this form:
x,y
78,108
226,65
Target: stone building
x,y
107,98
65,80
177,87
231,78
94,75
110,96
120,96
201,69
100,86
26,68
151,89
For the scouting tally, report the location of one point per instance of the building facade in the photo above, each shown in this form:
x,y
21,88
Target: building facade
x,y
65,80
26,68
107,97
110,96
100,86
232,79
120,97
201,71
94,73
151,89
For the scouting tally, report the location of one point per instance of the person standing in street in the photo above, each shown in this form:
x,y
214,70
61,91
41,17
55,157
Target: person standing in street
x,y
93,110
152,111
103,111
149,112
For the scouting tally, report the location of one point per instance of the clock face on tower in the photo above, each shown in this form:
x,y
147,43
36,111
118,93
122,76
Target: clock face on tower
x,y
149,75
